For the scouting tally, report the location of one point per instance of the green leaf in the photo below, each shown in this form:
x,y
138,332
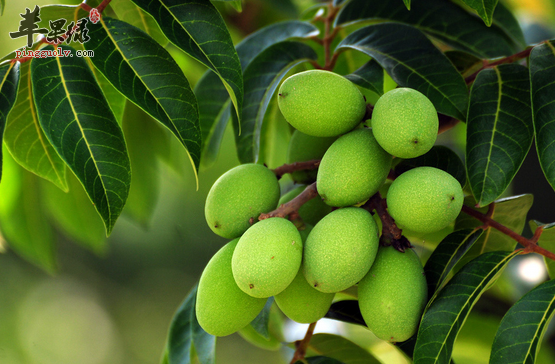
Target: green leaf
x,y
510,212
128,12
542,88
407,4
9,82
261,322
275,135
413,61
187,338
464,62
464,31
145,138
198,29
445,316
2,6
22,220
115,99
499,130
337,347
213,100
319,360
262,77
346,311
25,139
132,61
484,8
447,254
504,19
77,120
74,214
439,157
369,76
546,241
520,333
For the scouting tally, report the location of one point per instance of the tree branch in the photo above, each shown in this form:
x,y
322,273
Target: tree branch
x,y
510,59
292,206
297,166
302,345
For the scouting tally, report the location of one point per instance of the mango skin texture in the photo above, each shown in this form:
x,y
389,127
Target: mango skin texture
x,y
340,249
268,257
302,148
242,193
425,199
353,169
221,307
405,123
312,211
321,103
302,303
393,294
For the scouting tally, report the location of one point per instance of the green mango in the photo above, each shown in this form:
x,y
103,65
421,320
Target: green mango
x,y
221,307
268,257
312,211
239,195
393,295
302,303
340,249
321,103
353,169
302,148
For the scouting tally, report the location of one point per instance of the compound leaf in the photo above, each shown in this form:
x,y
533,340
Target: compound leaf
x,y
522,328
546,241
446,314
198,29
9,82
186,338
499,130
25,139
413,61
370,76
77,120
484,8
146,74
262,77
339,348
464,31
542,88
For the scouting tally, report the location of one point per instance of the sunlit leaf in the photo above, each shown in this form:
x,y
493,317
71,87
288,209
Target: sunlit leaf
x,y
338,347
445,316
198,29
369,76
132,62
413,61
520,333
499,130
546,241
542,88
274,137
9,82
115,99
127,11
262,77
25,139
484,8
78,122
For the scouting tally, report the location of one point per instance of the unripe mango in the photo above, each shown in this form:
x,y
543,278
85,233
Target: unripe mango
x,y
302,303
321,103
405,123
303,147
267,257
221,307
312,211
242,193
353,169
340,249
393,294
425,199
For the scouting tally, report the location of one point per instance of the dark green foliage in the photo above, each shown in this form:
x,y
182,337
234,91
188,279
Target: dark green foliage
x,y
9,80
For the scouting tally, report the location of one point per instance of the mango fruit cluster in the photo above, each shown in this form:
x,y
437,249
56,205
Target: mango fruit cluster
x,y
334,243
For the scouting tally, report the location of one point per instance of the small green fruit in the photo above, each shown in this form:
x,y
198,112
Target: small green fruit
x,y
221,307
393,294
267,257
340,249
302,303
321,103
353,169
405,123
302,148
312,211
425,199
242,193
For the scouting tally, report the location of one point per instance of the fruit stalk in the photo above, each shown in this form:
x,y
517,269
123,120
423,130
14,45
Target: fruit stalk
x,y
293,205
302,345
297,166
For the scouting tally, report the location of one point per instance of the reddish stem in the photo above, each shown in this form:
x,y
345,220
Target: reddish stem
x,y
287,208
297,166
302,345
103,5
510,59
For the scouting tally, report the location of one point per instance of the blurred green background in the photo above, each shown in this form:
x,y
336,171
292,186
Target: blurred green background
x,y
115,307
